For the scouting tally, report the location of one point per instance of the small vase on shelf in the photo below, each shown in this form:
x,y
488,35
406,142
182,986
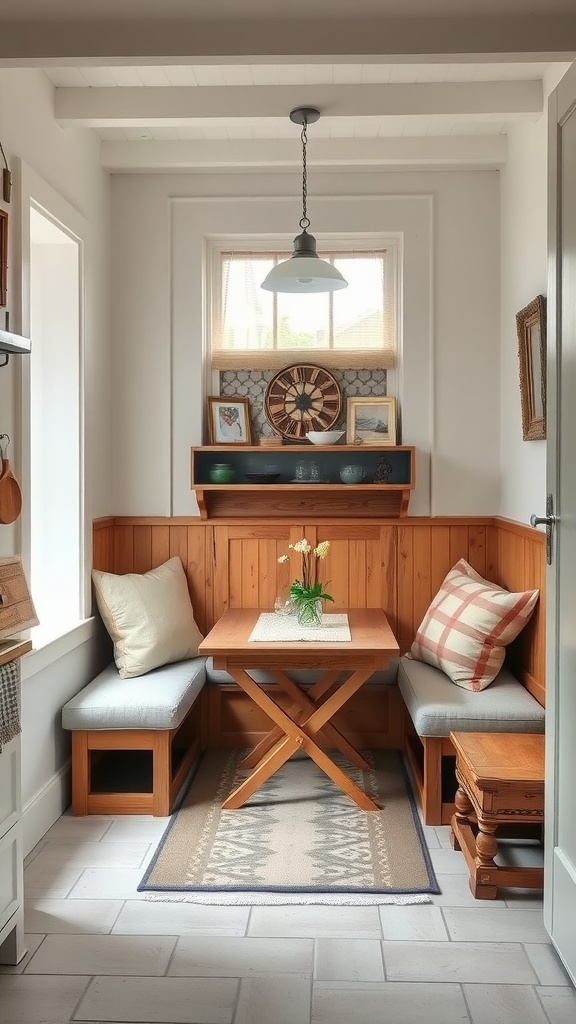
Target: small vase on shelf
x,y
309,612
221,473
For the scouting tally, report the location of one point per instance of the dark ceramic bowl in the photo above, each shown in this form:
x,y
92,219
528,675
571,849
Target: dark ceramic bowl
x,y
262,478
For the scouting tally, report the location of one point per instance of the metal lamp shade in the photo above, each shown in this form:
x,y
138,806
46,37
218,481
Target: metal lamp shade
x,y
304,271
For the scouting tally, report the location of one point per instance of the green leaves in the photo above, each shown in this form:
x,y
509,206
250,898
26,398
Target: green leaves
x,y
316,591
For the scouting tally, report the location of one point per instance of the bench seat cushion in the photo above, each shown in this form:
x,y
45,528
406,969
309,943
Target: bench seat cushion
x,y
437,706
158,700
302,676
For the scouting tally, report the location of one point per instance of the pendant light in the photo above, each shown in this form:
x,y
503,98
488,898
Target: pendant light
x,y
304,271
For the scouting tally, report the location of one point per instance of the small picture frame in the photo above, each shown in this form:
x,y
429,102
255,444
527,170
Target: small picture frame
x,y
3,257
229,420
531,329
371,421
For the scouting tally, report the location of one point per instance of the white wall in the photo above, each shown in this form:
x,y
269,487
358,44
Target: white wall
x,y
68,161
449,224
524,276
524,258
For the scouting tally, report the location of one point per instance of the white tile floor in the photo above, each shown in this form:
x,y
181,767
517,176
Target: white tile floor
x,y
97,951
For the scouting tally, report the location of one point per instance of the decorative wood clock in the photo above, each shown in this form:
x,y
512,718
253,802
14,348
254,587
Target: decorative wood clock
x,y
300,398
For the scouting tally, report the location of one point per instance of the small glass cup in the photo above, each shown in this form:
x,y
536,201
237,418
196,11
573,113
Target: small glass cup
x,y
284,604
313,472
302,472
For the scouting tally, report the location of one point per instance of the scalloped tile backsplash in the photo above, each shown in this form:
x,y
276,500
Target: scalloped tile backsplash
x,y
252,384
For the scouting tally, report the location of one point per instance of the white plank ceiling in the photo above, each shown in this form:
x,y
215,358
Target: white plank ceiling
x,y
123,69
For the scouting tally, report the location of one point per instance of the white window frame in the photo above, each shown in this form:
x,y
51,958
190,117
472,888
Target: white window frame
x,y
368,242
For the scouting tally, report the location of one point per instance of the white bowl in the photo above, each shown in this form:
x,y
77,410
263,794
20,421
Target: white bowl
x,y
324,436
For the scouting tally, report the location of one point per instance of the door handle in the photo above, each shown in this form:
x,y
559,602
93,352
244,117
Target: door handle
x,y
542,520
549,521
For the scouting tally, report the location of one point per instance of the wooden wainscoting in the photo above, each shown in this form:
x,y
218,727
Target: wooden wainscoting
x,y
518,555
372,563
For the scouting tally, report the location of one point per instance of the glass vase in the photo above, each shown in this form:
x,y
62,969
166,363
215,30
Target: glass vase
x,y
309,613
284,603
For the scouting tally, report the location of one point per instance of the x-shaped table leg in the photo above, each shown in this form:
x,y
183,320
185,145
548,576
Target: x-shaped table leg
x,y
305,701
299,735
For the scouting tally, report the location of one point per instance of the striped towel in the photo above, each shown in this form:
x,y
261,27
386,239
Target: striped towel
x,y
9,703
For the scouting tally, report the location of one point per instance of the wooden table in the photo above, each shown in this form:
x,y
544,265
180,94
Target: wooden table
x,y
500,782
307,719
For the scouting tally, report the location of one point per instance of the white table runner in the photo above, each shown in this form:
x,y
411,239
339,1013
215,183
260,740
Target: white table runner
x,y
271,626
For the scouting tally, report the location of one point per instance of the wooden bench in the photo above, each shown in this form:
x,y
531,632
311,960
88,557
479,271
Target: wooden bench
x,y
397,566
161,713
435,707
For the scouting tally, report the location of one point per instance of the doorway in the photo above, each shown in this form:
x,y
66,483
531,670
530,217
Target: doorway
x,y
55,419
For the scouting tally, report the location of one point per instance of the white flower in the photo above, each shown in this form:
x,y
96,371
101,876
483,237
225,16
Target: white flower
x,y
302,546
322,550
308,583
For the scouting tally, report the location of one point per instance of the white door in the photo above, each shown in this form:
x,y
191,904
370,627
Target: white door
x,y
560,836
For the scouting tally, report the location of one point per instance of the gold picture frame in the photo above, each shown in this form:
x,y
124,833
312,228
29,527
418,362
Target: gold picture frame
x,y
229,420
531,329
371,421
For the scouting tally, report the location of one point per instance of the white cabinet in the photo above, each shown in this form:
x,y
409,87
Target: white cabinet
x,y
9,786
10,877
12,947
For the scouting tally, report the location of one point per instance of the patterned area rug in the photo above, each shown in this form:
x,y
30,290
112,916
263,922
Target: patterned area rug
x,y
297,840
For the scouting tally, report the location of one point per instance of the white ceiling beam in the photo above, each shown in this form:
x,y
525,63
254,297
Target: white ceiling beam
x,y
487,151
539,37
170,107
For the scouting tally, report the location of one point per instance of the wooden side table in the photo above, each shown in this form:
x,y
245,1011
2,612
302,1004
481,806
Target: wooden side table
x,y
500,782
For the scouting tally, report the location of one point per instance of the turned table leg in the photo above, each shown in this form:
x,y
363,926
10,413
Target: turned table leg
x,y
464,808
501,782
482,885
476,838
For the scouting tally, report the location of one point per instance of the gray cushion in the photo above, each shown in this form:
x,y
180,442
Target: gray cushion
x,y
158,700
302,676
437,706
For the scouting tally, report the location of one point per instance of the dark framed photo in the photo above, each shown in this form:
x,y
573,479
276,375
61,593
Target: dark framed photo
x,y
3,257
531,328
229,420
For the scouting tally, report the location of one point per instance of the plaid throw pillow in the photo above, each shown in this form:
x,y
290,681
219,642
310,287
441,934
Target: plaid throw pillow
x,y
468,625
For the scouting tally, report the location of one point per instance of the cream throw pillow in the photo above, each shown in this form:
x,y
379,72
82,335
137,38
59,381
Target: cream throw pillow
x,y
468,625
149,617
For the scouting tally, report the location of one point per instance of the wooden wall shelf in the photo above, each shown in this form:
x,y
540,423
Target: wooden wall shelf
x,y
12,649
285,497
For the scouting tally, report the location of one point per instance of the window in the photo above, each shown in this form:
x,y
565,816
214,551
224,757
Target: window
x,y
354,327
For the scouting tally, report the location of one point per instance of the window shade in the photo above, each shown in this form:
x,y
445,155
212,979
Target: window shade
x,y
354,327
